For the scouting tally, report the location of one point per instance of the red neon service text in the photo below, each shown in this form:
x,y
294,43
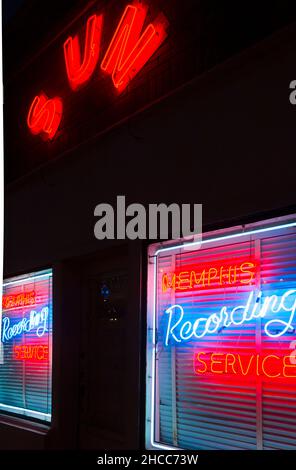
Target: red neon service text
x,y
31,352
270,366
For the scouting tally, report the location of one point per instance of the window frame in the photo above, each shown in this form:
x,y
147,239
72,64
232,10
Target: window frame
x,y
211,239
13,415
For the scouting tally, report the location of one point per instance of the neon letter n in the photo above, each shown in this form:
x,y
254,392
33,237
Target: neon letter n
x,y
129,51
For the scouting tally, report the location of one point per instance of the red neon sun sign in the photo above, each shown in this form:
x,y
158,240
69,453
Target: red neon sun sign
x,y
130,48
209,275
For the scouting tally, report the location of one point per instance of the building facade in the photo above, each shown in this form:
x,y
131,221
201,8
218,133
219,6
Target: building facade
x,y
183,102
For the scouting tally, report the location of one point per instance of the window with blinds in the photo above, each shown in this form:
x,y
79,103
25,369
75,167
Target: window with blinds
x,y
26,346
221,341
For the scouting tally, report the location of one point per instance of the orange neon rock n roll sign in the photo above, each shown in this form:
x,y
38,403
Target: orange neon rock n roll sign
x,y
31,352
130,47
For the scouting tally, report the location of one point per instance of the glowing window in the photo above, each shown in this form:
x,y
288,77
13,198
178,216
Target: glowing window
x,y
221,340
26,346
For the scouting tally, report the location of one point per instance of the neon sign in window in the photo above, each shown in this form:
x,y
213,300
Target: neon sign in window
x,y
210,275
31,352
221,340
26,346
181,329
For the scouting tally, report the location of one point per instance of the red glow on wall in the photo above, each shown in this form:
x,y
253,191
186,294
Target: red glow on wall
x,y
18,300
45,115
129,51
210,275
78,71
31,352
